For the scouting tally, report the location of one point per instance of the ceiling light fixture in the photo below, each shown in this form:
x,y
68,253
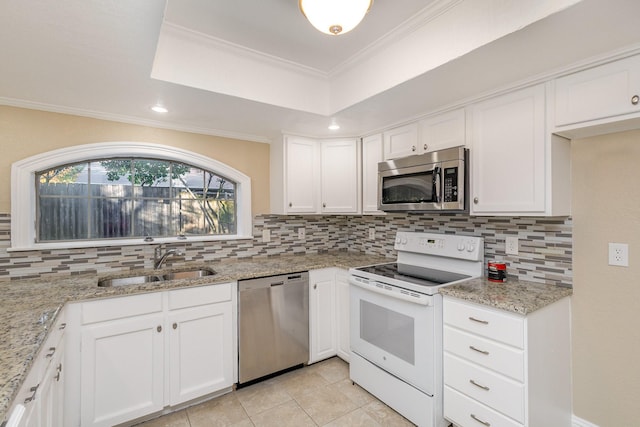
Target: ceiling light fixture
x,y
159,109
334,16
333,125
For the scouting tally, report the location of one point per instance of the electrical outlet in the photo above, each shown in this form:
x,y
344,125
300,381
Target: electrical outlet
x,y
266,236
511,245
619,254
302,234
372,233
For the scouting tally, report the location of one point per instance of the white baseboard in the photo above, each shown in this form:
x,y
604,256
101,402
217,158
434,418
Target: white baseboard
x,y
579,422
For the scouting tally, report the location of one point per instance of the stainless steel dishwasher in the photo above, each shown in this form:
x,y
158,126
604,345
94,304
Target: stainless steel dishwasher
x,y
273,324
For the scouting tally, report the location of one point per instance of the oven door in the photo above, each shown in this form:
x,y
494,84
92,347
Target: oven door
x,y
396,332
411,188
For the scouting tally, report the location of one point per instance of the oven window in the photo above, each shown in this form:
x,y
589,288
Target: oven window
x,y
410,188
388,330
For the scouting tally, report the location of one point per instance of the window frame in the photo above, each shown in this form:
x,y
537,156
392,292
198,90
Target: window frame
x,y
23,192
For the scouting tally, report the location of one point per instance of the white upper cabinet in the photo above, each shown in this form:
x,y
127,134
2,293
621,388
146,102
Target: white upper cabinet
x,y
401,142
516,167
301,175
340,177
442,131
311,176
371,156
601,92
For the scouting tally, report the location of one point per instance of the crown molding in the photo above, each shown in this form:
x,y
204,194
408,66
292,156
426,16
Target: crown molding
x,y
211,42
11,102
419,20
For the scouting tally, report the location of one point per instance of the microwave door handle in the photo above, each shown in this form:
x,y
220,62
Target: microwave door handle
x,y
436,183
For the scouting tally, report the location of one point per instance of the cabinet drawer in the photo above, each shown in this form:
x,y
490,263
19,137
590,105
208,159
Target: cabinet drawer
x,y
490,323
494,390
121,307
200,295
466,412
490,354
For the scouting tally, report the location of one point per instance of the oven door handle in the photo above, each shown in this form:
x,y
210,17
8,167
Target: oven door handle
x,y
404,295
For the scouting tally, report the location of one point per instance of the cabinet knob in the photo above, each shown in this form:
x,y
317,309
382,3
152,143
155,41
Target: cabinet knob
x,y
475,200
635,99
159,328
62,326
425,146
413,148
175,326
290,204
324,205
315,286
52,350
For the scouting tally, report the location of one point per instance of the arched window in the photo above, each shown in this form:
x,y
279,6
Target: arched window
x,y
126,193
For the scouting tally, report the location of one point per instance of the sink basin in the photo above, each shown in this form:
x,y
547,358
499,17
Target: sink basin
x,y
188,274
148,278
132,280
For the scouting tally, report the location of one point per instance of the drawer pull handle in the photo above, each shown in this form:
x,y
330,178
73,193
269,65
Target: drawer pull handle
x,y
33,396
484,322
478,350
480,421
484,387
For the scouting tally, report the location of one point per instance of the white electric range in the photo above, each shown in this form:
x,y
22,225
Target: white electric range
x,y
396,321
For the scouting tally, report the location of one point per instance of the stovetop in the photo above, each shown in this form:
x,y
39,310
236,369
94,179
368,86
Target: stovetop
x,y
409,276
427,261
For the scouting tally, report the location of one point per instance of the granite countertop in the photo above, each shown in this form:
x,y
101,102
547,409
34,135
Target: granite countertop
x,y
516,296
28,308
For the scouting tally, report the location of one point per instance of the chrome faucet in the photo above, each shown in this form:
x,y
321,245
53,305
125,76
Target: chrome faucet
x,y
160,258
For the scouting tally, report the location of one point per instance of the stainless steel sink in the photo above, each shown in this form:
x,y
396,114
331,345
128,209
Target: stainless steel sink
x,y
148,278
188,274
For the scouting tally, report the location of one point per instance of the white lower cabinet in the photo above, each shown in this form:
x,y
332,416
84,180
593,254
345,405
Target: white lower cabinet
x,y
42,393
342,315
505,369
328,332
140,354
200,351
122,370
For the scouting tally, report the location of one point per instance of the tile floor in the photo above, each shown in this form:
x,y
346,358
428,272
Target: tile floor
x,y
317,395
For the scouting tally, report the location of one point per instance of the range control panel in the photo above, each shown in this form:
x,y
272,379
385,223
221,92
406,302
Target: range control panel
x,y
446,245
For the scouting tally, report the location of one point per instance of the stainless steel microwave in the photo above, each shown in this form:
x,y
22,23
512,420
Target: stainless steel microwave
x,y
433,181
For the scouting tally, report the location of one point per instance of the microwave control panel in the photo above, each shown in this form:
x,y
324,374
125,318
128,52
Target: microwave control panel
x,y
450,184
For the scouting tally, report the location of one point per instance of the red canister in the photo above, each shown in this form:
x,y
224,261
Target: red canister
x,y
497,271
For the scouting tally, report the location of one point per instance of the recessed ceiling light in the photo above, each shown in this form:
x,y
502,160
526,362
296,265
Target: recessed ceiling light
x,y
334,125
159,109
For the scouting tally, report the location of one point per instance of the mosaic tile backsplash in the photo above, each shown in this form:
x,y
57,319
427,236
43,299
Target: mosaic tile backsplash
x,y
544,255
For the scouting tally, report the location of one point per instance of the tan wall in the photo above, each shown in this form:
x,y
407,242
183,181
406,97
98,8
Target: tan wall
x,y
606,299
24,133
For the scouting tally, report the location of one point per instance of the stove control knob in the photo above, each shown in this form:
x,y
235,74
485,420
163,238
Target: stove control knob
x,y
403,241
461,246
397,240
471,247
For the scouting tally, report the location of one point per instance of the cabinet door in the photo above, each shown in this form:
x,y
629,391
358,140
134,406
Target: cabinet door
x,y
301,175
342,315
401,142
122,370
598,93
52,385
443,131
322,314
200,353
371,156
339,160
508,153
